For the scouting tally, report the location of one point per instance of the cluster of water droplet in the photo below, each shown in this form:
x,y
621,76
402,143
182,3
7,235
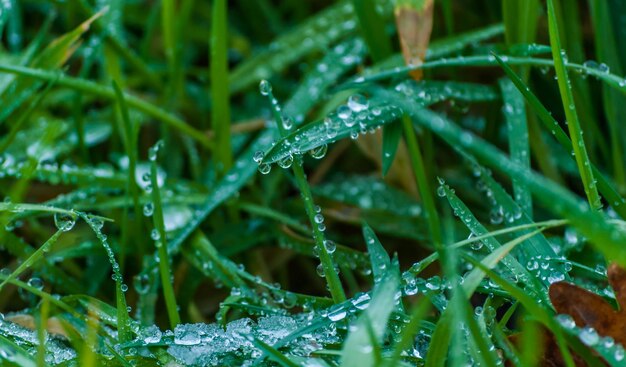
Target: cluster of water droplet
x,y
50,171
412,285
548,269
589,336
56,351
319,34
211,344
356,117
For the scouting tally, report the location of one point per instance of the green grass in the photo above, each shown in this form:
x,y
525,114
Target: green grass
x,y
202,183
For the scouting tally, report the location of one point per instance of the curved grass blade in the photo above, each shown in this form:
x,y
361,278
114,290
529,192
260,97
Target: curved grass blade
x,y
15,354
614,81
34,258
510,213
123,319
446,46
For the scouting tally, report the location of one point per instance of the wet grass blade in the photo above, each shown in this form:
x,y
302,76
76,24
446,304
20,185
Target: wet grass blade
x,y
607,50
605,187
161,242
514,111
379,259
578,144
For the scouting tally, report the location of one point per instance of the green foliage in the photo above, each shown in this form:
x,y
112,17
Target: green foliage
x,y
135,230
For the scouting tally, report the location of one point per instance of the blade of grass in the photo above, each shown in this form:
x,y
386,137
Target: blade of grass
x,y
578,144
273,353
123,319
423,184
161,242
613,103
330,273
515,115
220,107
372,27
34,258
130,145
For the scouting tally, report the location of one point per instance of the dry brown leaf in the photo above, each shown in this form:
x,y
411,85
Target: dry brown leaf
x,y
589,309
414,28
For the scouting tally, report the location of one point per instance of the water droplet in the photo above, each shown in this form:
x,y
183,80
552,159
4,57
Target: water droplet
x,y
441,191
476,245
357,103
155,234
64,221
142,283
265,168
589,336
286,162
148,209
338,314
496,215
258,156
124,287
344,112
319,218
330,246
265,87
96,222
320,270
319,152
36,283
186,335
287,122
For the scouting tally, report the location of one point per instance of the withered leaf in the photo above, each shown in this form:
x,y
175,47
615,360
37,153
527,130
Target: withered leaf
x,y
414,20
589,309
